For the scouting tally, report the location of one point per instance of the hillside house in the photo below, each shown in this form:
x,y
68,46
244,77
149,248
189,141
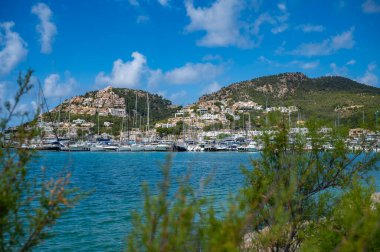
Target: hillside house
x,y
120,112
208,116
79,121
107,124
202,111
358,132
301,131
165,125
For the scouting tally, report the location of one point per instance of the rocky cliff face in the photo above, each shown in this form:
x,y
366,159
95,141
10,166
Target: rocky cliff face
x,y
119,102
103,101
277,86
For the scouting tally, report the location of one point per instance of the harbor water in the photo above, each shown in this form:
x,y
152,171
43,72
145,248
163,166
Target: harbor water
x,y
101,221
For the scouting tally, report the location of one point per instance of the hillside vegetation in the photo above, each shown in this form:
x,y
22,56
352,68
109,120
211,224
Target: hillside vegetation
x,y
323,97
98,105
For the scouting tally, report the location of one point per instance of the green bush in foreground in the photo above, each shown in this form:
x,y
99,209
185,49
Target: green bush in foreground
x,y
29,205
292,200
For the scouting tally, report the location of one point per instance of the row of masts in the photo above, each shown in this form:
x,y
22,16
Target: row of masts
x,y
135,118
41,103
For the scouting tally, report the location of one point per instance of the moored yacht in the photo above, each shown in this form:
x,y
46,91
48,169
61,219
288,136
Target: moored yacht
x,y
110,148
97,147
137,147
163,147
124,148
77,147
149,147
252,147
180,147
49,146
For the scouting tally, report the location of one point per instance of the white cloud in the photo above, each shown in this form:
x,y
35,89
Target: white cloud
x,y
224,27
306,65
262,19
178,97
154,78
142,19
372,67
265,60
126,74
221,23
371,6
192,73
22,109
213,87
163,2
310,28
280,28
46,27
282,7
351,62
13,48
344,40
328,46
369,76
281,19
212,57
162,93
54,87
137,73
3,89
337,70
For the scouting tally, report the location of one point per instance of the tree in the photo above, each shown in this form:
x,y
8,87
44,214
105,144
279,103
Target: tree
x,y
292,200
29,204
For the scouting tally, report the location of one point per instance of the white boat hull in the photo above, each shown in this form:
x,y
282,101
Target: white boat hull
x,y
125,148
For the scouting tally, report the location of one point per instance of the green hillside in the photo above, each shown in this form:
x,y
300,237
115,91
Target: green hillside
x,y
159,109
325,98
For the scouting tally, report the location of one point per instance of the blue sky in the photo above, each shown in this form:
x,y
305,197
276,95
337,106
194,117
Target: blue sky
x,y
183,49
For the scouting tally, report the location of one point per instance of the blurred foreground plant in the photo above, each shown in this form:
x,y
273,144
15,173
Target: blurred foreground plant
x,y
295,199
29,204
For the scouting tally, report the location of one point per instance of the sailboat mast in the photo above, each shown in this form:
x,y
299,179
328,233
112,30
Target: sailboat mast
x,y
249,121
59,117
121,127
136,111
183,125
69,111
147,103
44,102
127,114
98,123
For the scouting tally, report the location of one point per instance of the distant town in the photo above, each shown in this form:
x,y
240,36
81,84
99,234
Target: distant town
x,y
205,126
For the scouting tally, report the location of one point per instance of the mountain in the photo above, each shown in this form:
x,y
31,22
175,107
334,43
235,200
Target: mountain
x,y
325,98
111,104
322,97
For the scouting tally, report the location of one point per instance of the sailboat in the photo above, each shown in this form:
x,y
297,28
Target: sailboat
x,y
148,146
123,147
52,143
181,146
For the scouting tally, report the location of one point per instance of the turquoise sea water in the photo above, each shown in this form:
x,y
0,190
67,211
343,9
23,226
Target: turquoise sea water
x,y
101,221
